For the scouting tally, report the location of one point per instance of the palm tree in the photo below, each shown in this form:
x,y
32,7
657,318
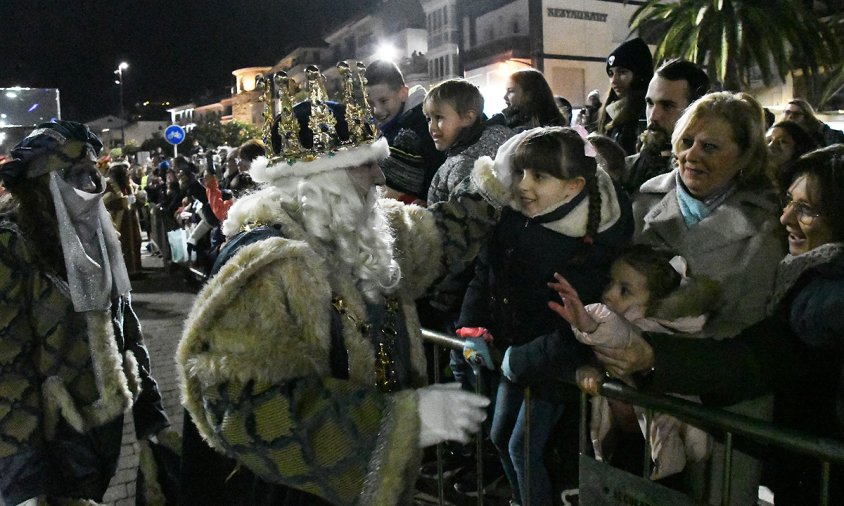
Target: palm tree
x,y
729,37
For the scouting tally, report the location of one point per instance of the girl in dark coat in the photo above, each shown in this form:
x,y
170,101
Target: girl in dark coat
x,y
562,214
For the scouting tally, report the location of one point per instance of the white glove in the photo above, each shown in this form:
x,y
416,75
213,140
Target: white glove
x,y
447,413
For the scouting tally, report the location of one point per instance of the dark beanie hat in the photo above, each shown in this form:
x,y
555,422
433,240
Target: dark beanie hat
x,y
635,56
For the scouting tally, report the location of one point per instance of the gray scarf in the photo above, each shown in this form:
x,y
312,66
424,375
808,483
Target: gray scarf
x,y
92,254
792,267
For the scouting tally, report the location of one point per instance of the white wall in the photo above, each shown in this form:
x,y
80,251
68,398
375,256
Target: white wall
x,y
582,28
502,22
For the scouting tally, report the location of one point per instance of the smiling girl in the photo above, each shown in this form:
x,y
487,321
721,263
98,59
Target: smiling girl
x,y
561,213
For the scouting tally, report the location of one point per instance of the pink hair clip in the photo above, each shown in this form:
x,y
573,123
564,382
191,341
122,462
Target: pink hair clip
x,y
588,148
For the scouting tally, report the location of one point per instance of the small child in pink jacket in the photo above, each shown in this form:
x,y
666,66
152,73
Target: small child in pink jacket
x,y
650,291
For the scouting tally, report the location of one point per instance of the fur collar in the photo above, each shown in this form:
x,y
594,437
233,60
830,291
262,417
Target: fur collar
x,y
494,190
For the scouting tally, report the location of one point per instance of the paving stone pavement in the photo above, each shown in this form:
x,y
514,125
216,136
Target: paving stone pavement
x,y
162,301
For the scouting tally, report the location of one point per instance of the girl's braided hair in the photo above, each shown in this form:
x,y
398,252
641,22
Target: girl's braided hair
x,y
560,152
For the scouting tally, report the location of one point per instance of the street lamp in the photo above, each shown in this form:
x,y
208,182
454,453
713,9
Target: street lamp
x,y
119,72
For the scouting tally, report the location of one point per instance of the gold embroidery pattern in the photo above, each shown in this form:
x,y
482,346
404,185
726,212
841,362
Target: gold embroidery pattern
x,y
386,376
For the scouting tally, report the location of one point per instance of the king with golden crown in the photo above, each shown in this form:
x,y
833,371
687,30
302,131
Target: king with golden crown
x,y
302,361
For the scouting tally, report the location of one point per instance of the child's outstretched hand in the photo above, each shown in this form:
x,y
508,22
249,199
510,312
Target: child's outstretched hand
x,y
589,378
571,309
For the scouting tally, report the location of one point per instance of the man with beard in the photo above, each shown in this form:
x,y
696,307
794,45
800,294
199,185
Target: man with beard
x,y
302,358
675,85
72,356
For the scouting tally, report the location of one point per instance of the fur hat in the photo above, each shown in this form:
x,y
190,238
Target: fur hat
x,y
635,56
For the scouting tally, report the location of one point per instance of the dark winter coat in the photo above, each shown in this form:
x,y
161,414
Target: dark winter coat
x,y
509,293
414,159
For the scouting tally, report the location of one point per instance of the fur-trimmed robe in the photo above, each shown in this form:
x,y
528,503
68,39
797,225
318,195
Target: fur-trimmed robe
x,y
254,360
66,378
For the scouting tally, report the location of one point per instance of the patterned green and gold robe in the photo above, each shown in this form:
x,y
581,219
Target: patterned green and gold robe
x,y
256,355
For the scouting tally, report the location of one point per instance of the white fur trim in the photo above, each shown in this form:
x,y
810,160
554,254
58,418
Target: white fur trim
x,y
484,178
112,385
262,172
133,373
574,223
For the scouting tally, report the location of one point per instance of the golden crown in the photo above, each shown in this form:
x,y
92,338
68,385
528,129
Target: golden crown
x,y
330,150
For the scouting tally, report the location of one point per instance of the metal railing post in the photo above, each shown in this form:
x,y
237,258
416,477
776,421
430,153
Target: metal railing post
x,y
584,429
479,444
824,483
526,463
646,460
439,449
727,472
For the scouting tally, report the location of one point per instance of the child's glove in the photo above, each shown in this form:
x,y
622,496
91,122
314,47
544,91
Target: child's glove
x,y
481,332
475,349
476,352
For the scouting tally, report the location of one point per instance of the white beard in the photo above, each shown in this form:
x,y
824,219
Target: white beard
x,y
353,228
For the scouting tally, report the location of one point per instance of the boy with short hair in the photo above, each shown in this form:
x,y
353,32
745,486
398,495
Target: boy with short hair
x,y
397,110
456,122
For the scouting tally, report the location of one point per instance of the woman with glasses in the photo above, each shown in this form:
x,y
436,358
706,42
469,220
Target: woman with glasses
x,y
801,112
796,351
718,209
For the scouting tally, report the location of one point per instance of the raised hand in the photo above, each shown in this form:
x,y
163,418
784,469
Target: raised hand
x,y
571,309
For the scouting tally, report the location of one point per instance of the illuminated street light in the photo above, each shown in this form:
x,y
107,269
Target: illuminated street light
x,y
119,72
386,51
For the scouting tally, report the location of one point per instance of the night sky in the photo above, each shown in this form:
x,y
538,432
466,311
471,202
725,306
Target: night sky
x,y
177,50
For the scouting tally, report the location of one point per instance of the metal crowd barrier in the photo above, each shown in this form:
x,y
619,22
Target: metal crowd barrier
x,y
826,451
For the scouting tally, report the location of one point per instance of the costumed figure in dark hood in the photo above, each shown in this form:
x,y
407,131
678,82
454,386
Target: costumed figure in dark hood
x,y
302,357
72,356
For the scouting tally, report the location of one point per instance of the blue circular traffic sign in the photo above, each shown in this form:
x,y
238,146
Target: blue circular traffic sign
x,y
174,134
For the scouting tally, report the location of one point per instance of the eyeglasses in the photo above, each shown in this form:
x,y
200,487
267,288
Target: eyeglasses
x,y
805,214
